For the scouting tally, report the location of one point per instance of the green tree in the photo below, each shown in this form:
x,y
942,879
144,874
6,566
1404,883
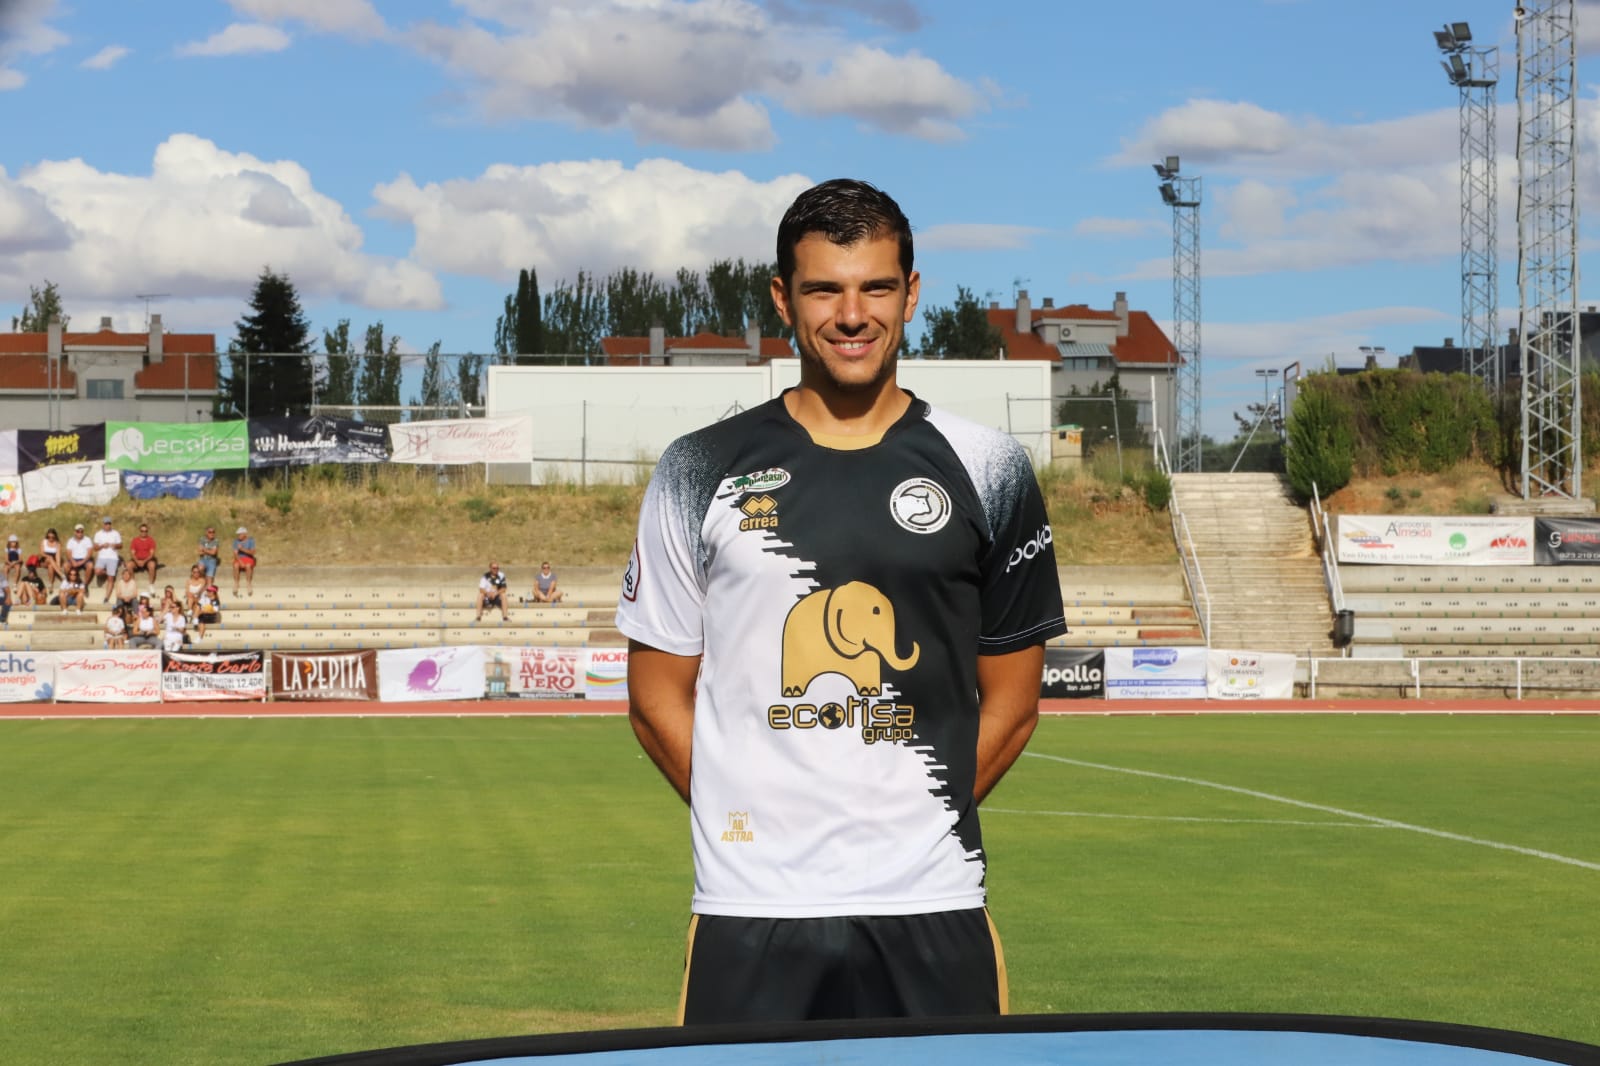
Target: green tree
x,y
438,398
960,331
1320,446
339,383
575,318
1106,413
43,305
469,379
519,331
379,385
259,384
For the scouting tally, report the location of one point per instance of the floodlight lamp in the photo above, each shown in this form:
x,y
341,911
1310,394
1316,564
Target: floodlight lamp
x,y
1461,32
1458,69
1172,164
1169,195
1161,171
1444,40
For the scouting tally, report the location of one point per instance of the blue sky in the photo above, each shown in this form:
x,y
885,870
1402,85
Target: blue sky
x,y
400,160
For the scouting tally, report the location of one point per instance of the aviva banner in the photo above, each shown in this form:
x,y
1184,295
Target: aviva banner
x,y
158,446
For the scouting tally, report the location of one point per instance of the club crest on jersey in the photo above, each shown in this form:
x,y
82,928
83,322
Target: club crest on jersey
x,y
738,831
919,505
760,512
761,480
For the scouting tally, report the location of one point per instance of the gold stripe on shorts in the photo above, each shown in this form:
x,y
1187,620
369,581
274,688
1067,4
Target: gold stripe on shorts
x,y
1001,981
688,953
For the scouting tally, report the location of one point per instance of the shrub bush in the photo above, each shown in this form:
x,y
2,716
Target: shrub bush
x,y
1320,447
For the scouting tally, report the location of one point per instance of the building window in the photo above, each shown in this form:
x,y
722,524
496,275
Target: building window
x,y
103,389
1085,362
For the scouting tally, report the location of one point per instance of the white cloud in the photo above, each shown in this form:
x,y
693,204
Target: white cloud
x,y
106,58
564,217
238,39
908,94
203,222
357,18
25,30
974,237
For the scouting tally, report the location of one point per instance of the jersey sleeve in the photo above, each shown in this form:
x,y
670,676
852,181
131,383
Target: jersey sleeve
x,y
663,589
1021,589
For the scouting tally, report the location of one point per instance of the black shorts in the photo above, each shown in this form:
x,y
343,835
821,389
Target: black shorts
x,y
945,964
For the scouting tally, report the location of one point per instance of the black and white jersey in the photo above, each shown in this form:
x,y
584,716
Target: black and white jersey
x,y
840,598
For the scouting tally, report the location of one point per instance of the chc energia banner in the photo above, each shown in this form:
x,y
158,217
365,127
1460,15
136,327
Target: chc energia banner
x,y
108,676
412,674
1249,675
1156,673
162,446
27,676
452,442
1463,540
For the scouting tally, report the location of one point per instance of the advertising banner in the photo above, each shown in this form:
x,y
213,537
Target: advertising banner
x,y
83,483
232,676
27,676
1464,540
468,440
1566,541
161,446
12,500
1155,673
1249,675
605,675
535,673
108,676
302,441
412,674
8,453
324,675
54,447
1074,674
183,486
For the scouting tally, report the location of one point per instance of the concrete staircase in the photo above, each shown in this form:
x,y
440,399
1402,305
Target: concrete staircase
x,y
1259,563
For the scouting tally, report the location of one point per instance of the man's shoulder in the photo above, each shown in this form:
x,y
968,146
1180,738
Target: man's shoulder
x,y
710,448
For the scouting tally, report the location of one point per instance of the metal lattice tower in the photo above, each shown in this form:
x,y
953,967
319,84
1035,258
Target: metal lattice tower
x,y
1476,73
1183,196
1547,248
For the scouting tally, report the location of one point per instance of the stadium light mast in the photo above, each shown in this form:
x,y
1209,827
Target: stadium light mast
x,y
1547,248
1475,72
1183,196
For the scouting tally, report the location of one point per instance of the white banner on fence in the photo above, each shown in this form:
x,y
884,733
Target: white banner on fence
x,y
1249,675
466,440
8,452
108,676
27,676
412,674
605,675
82,483
12,500
1156,673
542,673
1464,540
226,676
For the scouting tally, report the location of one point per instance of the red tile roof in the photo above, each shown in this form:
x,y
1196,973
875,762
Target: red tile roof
x,y
1144,346
628,351
31,371
24,364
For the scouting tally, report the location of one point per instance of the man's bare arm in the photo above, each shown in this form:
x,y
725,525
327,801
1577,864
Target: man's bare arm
x,y
1008,709
661,708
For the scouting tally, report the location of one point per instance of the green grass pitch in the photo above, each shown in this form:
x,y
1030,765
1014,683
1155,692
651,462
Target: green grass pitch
x,y
252,891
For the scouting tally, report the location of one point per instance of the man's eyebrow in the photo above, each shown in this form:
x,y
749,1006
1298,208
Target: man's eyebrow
x,y
889,281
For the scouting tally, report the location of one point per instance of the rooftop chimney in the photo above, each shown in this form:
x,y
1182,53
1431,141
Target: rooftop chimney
x,y
1120,306
1449,342
752,340
105,323
994,305
1049,302
53,337
155,346
658,342
1024,312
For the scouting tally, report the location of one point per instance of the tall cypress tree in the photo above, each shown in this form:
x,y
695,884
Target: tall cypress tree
x,y
258,386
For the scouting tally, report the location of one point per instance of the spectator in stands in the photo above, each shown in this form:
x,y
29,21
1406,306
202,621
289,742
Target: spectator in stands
x,y
107,554
79,552
50,557
545,589
492,592
173,625
209,610
209,554
126,590
31,587
244,560
145,633
142,550
13,566
5,599
191,591
72,595
116,631
169,598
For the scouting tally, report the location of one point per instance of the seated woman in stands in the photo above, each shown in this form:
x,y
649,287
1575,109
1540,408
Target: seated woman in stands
x,y
126,591
50,557
192,590
116,631
144,634
208,611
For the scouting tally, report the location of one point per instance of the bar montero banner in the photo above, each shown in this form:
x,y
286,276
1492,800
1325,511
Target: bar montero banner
x,y
230,676
27,676
1463,540
81,483
457,441
1249,675
302,441
108,676
334,675
605,674
542,673
1566,541
160,446
1155,673
54,447
412,674
1074,674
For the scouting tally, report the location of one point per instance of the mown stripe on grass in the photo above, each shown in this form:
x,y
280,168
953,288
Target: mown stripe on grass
x,y
1323,824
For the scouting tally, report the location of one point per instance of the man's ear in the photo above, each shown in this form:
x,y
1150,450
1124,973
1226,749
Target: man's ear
x,y
780,300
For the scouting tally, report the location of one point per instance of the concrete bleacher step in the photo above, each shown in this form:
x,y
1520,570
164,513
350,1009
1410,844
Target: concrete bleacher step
x,y
1392,579
1477,630
1470,605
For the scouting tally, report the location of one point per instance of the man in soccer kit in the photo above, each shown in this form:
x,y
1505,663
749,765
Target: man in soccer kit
x,y
837,605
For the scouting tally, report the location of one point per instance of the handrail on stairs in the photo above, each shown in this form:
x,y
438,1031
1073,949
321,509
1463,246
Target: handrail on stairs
x,y
1188,556
1322,528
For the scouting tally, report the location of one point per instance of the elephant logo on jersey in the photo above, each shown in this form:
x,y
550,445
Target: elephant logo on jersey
x,y
848,630
919,505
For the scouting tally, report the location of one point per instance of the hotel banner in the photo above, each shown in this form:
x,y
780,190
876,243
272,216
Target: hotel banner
x,y
1249,675
1566,541
302,441
303,677
54,447
1464,540
1074,674
90,484
412,674
232,676
161,446
108,676
605,675
453,442
1155,673
27,676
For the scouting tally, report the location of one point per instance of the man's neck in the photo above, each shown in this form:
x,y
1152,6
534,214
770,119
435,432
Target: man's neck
x,y
829,412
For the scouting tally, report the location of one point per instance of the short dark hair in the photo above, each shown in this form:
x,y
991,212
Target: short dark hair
x,y
845,211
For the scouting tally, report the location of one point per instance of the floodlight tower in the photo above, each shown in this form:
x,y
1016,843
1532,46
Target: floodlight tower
x,y
1476,73
1547,248
1183,196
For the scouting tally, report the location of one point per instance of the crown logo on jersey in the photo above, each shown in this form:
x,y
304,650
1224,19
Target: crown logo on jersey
x,y
738,831
849,630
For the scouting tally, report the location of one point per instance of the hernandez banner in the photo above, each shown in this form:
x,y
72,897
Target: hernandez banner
x,y
411,674
1471,540
318,675
27,676
605,675
152,446
1074,674
1249,675
1156,673
184,486
83,483
232,676
457,441
108,676
302,441
53,447
1566,541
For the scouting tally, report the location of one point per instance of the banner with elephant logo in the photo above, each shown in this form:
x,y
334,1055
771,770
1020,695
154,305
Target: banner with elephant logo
x,y
164,446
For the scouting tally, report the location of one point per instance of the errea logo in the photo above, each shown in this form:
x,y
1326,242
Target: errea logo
x,y
1030,548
